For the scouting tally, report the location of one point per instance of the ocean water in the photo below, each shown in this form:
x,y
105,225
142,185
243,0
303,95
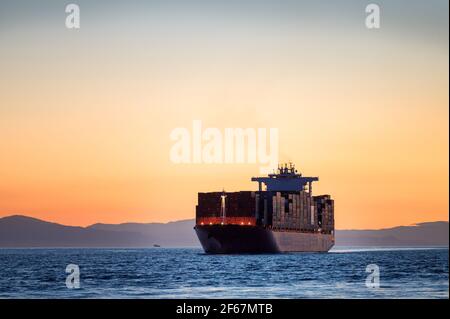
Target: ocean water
x,y
189,273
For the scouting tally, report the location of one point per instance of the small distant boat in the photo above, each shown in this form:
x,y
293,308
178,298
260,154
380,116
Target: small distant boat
x,y
156,245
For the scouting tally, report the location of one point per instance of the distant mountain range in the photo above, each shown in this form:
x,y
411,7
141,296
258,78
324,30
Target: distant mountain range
x,y
23,231
420,235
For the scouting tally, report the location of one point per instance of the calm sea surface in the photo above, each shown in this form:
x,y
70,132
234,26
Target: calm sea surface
x,y
189,273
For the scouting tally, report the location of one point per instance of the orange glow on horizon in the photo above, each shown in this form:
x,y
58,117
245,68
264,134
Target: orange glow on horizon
x,y
85,118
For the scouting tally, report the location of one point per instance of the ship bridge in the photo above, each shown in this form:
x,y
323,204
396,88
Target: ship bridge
x,y
286,178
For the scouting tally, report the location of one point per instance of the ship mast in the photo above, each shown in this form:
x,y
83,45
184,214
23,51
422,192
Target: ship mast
x,y
222,206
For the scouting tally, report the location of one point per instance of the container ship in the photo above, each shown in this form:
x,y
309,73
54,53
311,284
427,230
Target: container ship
x,y
282,216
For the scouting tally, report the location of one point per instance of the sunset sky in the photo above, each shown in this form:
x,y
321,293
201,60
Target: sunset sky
x,y
86,115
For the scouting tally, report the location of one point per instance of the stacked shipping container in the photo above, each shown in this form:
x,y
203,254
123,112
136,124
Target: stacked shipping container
x,y
325,207
237,204
294,211
283,211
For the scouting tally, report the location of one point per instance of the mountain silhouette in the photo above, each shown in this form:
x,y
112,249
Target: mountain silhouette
x,y
23,231
421,234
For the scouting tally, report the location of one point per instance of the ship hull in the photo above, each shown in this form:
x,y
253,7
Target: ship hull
x,y
235,239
